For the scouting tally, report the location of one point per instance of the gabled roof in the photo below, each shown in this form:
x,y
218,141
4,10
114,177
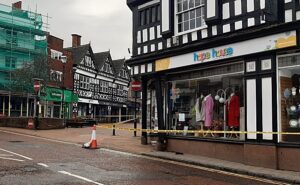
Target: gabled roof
x,y
78,52
100,58
118,65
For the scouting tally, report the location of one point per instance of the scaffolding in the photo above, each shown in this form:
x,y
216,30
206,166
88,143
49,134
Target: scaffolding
x,y
22,39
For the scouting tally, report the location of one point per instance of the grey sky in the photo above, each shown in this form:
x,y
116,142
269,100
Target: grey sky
x,y
104,23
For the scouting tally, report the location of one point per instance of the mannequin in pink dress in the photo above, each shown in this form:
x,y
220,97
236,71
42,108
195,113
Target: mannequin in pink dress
x,y
208,112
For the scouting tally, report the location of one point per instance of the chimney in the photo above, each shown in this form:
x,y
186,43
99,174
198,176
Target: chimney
x,y
76,40
17,5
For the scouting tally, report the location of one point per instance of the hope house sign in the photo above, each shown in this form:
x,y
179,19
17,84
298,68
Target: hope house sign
x,y
257,45
202,56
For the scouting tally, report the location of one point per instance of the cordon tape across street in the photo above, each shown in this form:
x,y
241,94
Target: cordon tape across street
x,y
113,126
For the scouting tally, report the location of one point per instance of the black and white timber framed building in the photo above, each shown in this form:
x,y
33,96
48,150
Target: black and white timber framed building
x,y
100,82
183,49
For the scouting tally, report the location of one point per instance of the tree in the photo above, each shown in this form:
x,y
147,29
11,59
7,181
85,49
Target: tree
x,y
22,78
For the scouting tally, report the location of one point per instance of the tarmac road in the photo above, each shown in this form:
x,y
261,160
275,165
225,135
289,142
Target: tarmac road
x,y
34,161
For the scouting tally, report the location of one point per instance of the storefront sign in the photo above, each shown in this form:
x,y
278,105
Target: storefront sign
x,y
213,54
267,43
83,100
55,95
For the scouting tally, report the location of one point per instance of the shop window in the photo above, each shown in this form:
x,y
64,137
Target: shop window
x,y
211,103
289,97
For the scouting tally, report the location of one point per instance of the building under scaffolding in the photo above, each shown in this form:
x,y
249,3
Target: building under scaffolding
x,y
22,39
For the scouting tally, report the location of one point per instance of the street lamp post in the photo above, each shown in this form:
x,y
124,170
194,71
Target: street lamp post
x,y
37,89
113,86
63,61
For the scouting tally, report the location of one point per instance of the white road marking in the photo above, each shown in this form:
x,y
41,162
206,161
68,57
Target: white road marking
x,y
79,177
28,158
42,164
11,159
6,155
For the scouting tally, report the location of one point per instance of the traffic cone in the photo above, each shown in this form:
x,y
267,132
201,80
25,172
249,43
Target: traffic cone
x,y
92,144
30,123
94,139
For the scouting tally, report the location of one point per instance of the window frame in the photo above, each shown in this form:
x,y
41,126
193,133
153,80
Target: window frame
x,y
146,17
202,17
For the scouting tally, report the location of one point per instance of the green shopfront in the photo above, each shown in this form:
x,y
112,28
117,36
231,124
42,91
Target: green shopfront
x,y
58,102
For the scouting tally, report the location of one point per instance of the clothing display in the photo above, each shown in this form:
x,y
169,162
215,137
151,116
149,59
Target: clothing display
x,y
199,110
208,110
207,105
233,111
202,110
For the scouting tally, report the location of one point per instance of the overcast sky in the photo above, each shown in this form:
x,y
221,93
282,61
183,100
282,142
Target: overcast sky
x,y
104,23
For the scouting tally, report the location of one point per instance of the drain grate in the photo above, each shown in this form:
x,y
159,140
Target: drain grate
x,y
16,141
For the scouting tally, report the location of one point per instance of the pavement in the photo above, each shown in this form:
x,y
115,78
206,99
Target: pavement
x,y
125,141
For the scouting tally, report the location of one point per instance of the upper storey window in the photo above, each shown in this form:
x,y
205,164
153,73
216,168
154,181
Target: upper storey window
x,y
149,15
190,14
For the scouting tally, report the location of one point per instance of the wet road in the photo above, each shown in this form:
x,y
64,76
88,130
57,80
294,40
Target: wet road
x,y
33,161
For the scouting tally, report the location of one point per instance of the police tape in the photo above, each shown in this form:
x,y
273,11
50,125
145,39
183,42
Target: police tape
x,y
196,131
115,124
117,116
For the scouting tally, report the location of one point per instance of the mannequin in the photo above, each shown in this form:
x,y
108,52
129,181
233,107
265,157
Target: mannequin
x,y
233,110
199,112
208,112
199,108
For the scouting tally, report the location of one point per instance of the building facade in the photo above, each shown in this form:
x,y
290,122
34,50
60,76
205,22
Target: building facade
x,y
22,42
101,83
58,97
220,65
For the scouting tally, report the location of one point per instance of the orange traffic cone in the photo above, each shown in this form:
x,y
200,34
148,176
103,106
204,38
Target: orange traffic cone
x,y
92,144
94,139
30,123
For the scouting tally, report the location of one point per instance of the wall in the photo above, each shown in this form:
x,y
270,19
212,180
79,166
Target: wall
x,y
225,151
267,156
44,123
57,44
288,159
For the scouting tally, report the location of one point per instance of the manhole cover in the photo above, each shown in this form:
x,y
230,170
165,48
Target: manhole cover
x,y
16,141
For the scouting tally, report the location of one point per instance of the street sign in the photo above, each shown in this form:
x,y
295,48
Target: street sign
x,y
136,86
36,86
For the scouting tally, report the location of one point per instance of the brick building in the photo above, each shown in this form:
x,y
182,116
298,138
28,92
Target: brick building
x,y
58,96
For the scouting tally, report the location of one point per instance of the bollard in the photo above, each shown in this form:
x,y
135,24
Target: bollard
x,y
114,130
134,128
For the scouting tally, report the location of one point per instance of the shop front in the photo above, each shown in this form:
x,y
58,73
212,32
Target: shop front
x,y
288,96
16,104
233,102
58,102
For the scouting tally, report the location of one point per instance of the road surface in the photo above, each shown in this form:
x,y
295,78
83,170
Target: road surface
x,y
29,160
